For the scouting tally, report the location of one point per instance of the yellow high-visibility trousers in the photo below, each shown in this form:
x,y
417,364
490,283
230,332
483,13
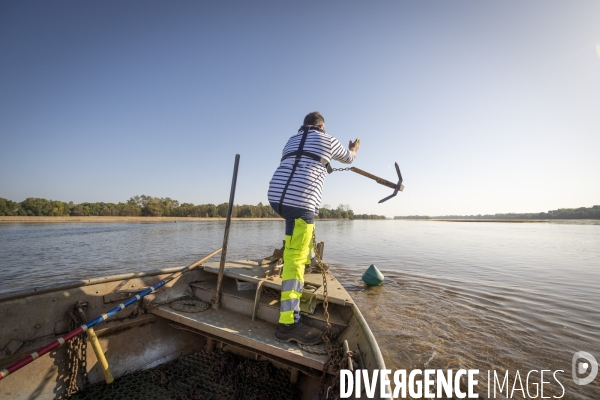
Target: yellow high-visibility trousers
x,y
296,253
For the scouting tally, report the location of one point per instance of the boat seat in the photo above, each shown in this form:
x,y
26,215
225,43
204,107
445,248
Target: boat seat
x,y
253,272
266,306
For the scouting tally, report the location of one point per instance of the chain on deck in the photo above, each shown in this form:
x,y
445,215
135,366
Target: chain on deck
x,y
335,357
218,376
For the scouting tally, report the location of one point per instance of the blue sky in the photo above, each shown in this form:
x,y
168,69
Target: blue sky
x,y
487,106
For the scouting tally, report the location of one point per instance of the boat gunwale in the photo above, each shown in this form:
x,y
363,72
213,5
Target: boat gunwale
x,y
86,282
366,329
370,337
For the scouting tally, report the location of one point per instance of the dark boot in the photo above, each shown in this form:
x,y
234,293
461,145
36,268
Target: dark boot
x,y
299,333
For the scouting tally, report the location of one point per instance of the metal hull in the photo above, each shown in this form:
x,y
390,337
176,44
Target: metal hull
x,y
149,333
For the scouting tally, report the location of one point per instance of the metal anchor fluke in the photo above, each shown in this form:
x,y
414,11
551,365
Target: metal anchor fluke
x,y
396,186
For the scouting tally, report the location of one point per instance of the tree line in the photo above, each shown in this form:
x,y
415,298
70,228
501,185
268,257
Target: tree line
x,y
154,207
561,213
343,211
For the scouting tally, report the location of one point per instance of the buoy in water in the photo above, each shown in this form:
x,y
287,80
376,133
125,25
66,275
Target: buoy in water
x,y
372,276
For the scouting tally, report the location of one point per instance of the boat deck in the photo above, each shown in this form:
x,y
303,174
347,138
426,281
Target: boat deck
x,y
241,330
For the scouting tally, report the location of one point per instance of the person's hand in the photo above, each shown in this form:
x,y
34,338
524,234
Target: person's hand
x,y
354,146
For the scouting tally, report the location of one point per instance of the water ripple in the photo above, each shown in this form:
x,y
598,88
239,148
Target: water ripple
x,y
468,295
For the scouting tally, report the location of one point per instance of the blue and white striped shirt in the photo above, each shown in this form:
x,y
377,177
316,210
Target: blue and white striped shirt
x,y
306,187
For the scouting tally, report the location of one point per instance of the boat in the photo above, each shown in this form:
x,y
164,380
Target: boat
x,y
204,331
159,330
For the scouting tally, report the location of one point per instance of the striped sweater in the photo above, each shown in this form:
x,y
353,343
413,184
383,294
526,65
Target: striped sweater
x,y
306,187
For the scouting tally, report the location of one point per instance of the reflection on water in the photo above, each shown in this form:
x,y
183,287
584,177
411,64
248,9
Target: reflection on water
x,y
457,295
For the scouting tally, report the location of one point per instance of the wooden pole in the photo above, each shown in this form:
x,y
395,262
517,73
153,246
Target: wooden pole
x,y
216,302
375,178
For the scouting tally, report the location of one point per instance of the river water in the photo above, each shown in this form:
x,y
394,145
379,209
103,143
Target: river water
x,y
488,296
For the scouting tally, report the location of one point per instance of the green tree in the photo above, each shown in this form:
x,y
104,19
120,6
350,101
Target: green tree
x,y
222,210
244,212
77,211
8,207
60,209
350,214
129,210
169,205
135,201
91,209
211,211
153,209
342,211
324,213
199,211
110,209
141,201
184,210
36,207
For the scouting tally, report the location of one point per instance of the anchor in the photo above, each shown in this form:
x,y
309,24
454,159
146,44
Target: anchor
x,y
396,186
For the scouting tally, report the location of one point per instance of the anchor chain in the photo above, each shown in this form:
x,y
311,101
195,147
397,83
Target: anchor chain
x,y
76,356
335,358
341,169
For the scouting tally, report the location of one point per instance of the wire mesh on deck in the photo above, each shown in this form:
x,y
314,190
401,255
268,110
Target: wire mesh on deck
x,y
218,376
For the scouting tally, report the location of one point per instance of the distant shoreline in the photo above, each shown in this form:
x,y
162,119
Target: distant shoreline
x,y
589,221
88,219
97,219
106,219
491,220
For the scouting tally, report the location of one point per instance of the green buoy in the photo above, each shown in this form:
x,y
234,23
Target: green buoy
x,y
372,276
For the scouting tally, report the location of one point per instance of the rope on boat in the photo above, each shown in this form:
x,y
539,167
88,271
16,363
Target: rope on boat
x,y
101,318
189,305
314,349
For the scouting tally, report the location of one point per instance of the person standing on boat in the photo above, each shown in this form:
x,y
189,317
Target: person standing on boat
x,y
295,194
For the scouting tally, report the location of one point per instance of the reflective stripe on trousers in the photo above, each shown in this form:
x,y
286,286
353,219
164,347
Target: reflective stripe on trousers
x,y
295,256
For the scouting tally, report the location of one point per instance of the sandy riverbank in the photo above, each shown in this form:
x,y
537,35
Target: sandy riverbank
x,y
21,220
525,221
491,220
